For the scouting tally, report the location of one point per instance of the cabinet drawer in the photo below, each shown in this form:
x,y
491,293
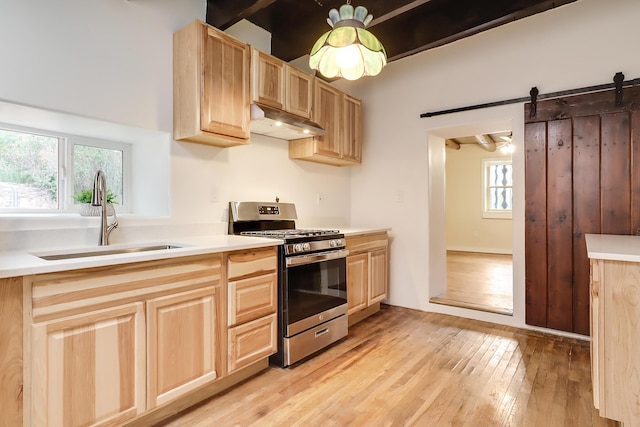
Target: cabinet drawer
x,y
252,298
242,264
252,341
367,242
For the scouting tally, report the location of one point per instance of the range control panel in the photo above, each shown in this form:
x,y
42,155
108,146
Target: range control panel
x,y
268,210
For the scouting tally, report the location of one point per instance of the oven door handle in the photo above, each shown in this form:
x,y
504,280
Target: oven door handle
x,y
310,259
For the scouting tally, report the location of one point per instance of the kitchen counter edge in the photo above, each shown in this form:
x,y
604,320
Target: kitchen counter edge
x,y
351,232
22,263
613,247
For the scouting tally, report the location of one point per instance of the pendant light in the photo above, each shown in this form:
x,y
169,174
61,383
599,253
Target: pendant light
x,y
348,50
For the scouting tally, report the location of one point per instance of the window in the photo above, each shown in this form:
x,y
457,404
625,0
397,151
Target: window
x,y
42,171
498,188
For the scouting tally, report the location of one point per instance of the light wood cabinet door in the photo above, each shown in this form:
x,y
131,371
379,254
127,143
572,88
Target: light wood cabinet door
x,y
357,282
252,341
351,137
299,92
184,341
89,369
225,91
211,87
268,77
377,276
252,298
327,113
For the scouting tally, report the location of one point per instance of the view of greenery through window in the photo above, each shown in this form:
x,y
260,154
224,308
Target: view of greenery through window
x,y
29,170
87,160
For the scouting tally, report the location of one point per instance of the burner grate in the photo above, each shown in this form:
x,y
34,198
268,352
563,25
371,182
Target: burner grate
x,y
290,233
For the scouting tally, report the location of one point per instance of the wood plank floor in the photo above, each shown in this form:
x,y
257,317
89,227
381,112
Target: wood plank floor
x,y
479,281
403,367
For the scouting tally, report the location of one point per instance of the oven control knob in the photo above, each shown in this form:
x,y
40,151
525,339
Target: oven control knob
x,y
297,247
306,246
335,243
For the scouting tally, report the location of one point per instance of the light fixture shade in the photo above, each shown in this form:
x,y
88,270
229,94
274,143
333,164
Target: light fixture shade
x,y
348,50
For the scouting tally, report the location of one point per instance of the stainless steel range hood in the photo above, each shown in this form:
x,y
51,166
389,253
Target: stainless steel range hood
x,y
275,123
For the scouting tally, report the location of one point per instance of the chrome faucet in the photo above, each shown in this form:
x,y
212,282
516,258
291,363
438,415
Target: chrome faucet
x,y
99,198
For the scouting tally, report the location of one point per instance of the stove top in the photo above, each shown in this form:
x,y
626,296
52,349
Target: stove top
x,y
290,233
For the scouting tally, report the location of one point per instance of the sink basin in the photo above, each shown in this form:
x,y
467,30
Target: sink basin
x,y
73,253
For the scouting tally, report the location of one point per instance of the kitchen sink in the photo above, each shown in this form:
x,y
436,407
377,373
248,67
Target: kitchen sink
x,y
75,253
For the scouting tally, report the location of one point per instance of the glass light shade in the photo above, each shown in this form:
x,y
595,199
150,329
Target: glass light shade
x,y
348,50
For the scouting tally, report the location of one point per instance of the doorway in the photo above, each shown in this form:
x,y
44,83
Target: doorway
x,y
479,230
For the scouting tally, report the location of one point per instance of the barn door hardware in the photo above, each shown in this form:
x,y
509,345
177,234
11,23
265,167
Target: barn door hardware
x,y
618,79
618,84
534,102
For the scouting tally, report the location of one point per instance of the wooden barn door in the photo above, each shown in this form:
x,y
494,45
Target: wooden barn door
x,y
582,175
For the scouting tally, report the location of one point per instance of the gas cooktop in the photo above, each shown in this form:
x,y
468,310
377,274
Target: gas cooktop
x,y
290,233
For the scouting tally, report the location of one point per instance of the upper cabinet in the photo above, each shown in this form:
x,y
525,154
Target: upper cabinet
x,y
279,85
216,78
299,92
341,117
268,75
211,87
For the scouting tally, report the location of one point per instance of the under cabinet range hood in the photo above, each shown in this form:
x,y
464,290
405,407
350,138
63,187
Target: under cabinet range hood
x,y
275,123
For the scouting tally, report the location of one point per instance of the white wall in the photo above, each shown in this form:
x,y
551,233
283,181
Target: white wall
x,y
581,44
111,60
466,228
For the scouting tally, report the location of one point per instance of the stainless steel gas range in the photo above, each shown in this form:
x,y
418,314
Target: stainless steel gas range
x,y
312,279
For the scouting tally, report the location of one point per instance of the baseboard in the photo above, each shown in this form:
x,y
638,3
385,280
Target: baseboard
x,y
481,250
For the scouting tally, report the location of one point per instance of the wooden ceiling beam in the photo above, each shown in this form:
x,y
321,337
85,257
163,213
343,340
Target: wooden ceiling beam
x,y
451,143
404,27
486,142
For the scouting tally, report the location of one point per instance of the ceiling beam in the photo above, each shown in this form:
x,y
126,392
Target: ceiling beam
x,y
404,27
224,13
439,22
451,143
486,142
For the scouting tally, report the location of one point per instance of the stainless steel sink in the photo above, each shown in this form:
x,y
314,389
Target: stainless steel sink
x,y
54,256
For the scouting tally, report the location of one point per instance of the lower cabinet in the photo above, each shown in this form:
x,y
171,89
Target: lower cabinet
x,y
252,305
132,342
183,343
252,341
357,282
161,335
367,266
89,369
615,365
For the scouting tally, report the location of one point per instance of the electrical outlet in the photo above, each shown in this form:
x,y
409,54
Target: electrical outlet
x,y
214,196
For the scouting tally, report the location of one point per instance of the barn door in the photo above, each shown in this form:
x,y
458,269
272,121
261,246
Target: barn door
x,y
582,175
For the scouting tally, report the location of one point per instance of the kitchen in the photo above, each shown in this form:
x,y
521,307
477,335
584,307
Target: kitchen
x,y
112,62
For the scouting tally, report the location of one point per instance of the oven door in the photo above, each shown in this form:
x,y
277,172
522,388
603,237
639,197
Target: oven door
x,y
315,285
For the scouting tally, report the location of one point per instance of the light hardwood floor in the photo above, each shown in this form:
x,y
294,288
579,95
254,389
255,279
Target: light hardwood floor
x,y
479,281
403,367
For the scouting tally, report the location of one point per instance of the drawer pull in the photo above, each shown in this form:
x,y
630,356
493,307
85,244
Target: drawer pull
x,y
322,332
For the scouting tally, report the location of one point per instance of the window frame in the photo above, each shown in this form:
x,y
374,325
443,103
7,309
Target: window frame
x,y
486,187
66,144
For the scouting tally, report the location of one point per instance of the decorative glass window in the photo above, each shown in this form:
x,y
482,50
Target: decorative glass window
x,y
42,171
498,188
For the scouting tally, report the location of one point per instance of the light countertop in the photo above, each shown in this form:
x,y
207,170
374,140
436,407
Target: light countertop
x,y
20,263
613,247
350,232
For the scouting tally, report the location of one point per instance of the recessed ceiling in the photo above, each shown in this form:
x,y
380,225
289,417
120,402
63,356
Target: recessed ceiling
x,y
404,27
